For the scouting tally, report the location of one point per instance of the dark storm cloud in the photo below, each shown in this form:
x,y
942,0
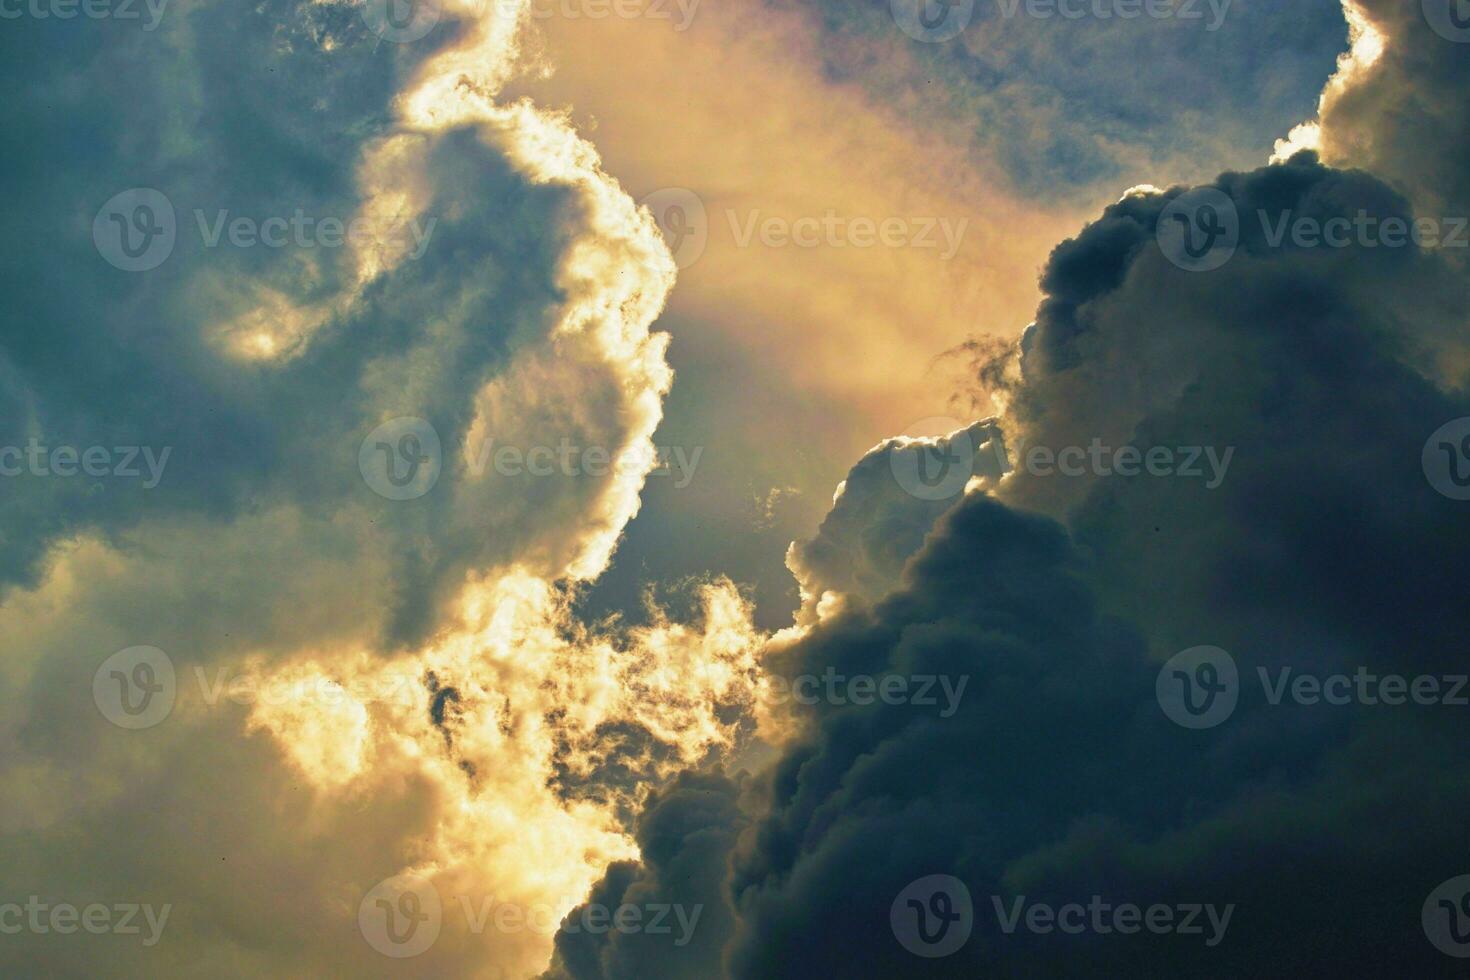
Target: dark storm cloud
x,y
1311,363
257,111
1324,549
685,835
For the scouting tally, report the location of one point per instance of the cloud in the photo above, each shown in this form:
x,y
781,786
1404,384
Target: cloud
x,y
684,838
1391,124
1021,127
362,686
1060,777
882,512
366,688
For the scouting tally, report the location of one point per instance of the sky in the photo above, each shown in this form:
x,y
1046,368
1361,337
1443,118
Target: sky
x,y
726,489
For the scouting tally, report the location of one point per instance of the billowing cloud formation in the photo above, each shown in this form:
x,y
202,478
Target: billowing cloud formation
x,y
384,711
1319,829
886,506
683,838
366,642
1394,123
1020,128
